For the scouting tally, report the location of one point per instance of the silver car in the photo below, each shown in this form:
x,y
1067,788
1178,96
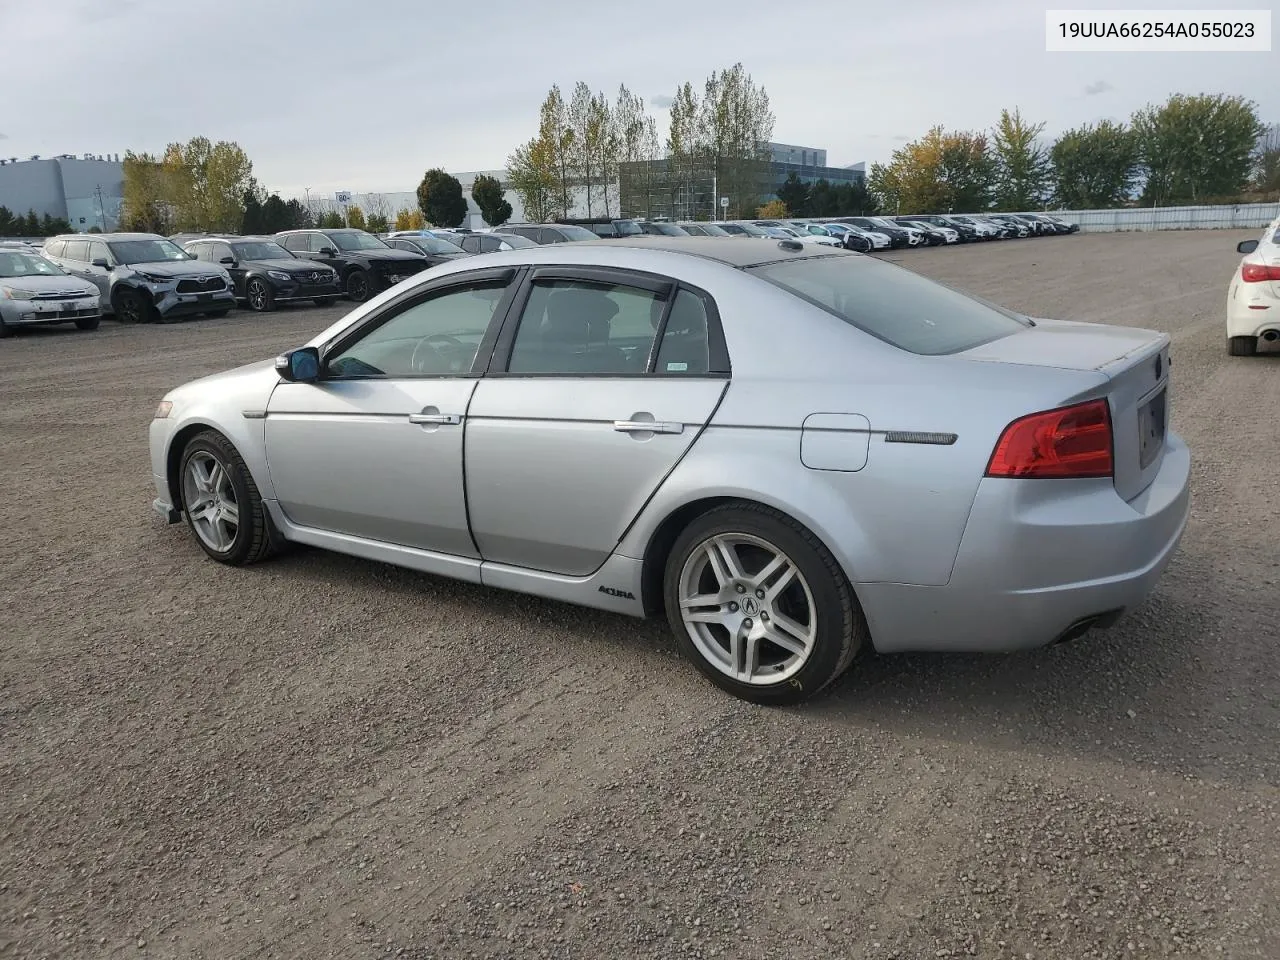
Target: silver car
x,y
35,291
790,451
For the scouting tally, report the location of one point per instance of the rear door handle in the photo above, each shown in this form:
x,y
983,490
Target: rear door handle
x,y
647,426
434,418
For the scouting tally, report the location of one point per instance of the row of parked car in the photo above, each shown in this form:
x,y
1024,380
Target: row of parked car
x,y
140,277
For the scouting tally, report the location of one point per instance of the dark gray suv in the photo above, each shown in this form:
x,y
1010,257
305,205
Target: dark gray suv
x,y
142,277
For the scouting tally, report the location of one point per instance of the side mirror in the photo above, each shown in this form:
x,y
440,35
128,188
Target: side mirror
x,y
101,263
328,252
299,366
1246,246
228,261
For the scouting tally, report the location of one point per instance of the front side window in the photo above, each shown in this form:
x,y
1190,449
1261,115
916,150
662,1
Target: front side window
x,y
439,336
893,303
98,251
577,328
296,241
357,240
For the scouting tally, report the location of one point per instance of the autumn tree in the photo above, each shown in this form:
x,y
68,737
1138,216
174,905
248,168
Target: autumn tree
x,y
941,172
1094,166
1022,168
1196,148
440,199
773,210
486,191
407,219
532,169
207,182
147,196
355,217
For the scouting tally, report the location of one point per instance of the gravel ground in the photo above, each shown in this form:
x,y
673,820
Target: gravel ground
x,y
325,757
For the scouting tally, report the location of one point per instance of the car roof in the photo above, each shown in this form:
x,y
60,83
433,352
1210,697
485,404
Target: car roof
x,y
727,250
108,236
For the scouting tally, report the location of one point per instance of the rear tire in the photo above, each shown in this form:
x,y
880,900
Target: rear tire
x,y
800,623
1242,346
88,323
221,501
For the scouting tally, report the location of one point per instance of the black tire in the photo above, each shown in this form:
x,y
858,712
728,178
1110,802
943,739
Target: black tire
x,y
88,323
1242,346
258,295
132,307
840,630
255,537
358,285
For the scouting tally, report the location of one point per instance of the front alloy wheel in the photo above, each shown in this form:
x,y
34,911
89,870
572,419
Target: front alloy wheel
x,y
211,501
760,605
222,503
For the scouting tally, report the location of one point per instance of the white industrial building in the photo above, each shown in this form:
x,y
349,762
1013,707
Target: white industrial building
x,y
85,190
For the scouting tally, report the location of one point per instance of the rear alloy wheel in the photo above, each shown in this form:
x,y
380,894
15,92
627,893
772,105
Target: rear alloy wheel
x,y
259,296
132,307
760,605
358,285
222,503
1242,346
88,323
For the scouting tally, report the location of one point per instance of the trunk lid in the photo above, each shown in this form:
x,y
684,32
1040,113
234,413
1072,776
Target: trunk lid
x,y
1136,365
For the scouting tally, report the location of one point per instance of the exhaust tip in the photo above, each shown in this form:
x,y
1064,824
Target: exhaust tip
x,y
1096,621
1271,335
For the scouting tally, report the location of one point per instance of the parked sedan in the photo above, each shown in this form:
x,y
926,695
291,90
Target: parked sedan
x,y
495,242
856,238
703,229
741,229
1253,298
547,232
436,249
365,265
264,273
36,292
743,437
934,236
662,229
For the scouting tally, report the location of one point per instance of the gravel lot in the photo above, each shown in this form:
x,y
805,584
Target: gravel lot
x,y
325,757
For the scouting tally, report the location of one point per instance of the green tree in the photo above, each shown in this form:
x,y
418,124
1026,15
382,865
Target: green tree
x,y
794,194
1022,168
440,199
253,221
1195,148
532,171
734,124
684,151
275,215
1094,166
31,224
968,171
637,150
206,183
7,221
147,202
297,217
854,200
355,217
331,220
377,223
94,229
557,149
486,191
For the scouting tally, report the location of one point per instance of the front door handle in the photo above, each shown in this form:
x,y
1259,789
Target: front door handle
x,y
647,426
434,418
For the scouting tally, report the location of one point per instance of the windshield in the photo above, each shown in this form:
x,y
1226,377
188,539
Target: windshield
x,y
574,232
146,251
434,245
261,250
16,263
836,228
752,230
517,242
711,230
627,228
893,303
357,240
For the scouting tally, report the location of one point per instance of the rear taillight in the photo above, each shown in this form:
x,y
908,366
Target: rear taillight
x,y
1259,272
1070,442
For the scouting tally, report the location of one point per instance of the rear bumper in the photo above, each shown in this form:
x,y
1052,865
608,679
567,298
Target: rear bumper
x,y
1252,310
1036,561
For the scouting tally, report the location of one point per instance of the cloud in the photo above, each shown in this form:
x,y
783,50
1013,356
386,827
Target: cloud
x,y
661,101
1101,86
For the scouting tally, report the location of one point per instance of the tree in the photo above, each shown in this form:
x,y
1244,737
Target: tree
x,y
377,223
556,147
440,198
486,191
794,195
275,215
1022,169
734,124
94,229
331,220
407,219
1094,166
207,182
355,217
147,196
532,171
31,224
297,217
939,173
637,150
773,210
1196,148
854,200
683,149
51,226
375,205
253,220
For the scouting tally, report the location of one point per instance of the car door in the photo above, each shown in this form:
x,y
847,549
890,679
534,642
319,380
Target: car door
x,y
374,448
331,255
75,258
99,276
220,254
580,418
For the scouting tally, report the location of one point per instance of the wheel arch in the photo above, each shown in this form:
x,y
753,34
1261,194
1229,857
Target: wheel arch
x,y
246,445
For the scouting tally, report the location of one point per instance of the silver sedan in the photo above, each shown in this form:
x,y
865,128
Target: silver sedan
x,y
790,452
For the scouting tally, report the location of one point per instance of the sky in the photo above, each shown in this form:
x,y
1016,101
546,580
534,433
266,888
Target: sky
x,y
332,95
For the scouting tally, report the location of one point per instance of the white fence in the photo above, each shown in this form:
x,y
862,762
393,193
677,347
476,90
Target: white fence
x,y
1222,217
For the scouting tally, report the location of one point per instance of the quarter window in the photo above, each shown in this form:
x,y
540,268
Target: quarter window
x,y
439,336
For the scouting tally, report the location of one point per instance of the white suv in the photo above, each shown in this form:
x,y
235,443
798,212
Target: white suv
x,y
1253,299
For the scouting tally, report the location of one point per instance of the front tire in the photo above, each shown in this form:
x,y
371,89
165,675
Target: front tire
x,y
88,323
259,296
222,504
132,307
358,285
760,605
1242,346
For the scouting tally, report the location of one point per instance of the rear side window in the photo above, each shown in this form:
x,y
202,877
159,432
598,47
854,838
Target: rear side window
x,y
77,250
892,303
